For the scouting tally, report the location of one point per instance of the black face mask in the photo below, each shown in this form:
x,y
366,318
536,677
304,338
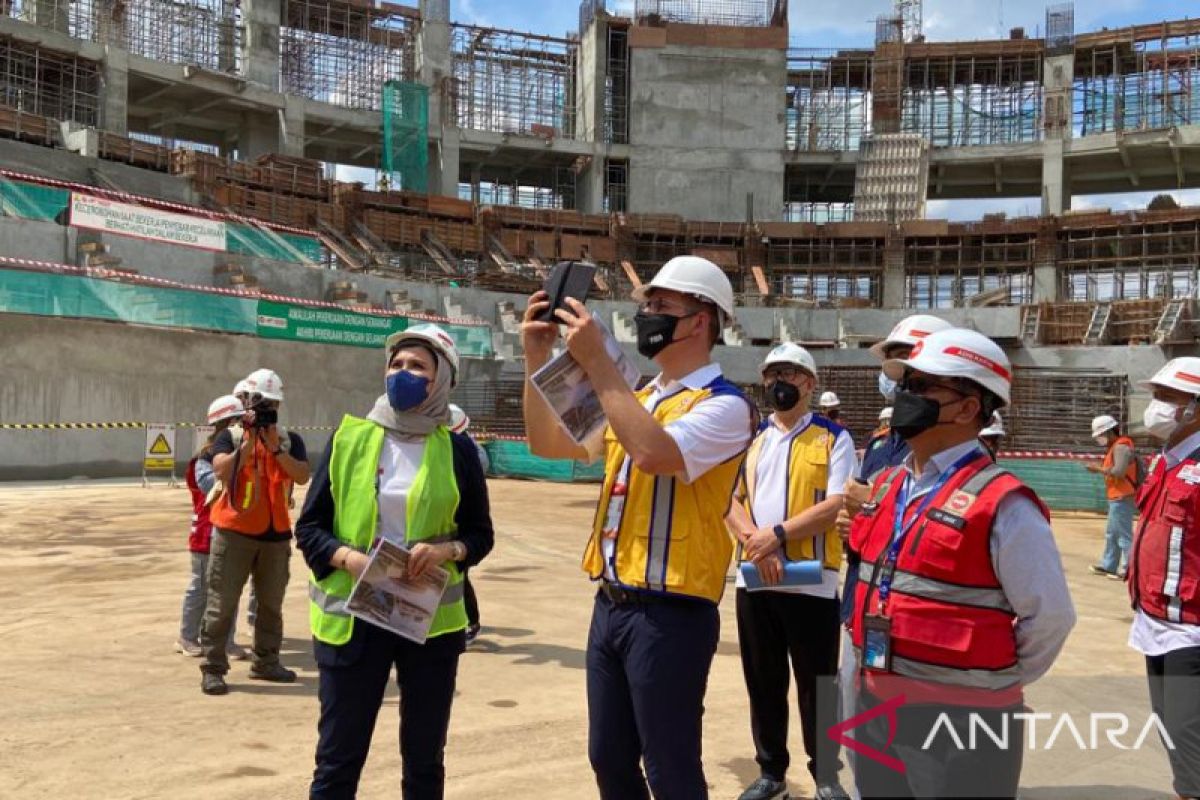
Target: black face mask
x,y
913,414
782,396
655,332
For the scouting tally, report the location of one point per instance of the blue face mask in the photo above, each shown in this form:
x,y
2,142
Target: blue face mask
x,y
887,387
406,391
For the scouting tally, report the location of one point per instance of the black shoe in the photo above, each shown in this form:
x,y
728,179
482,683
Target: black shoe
x,y
212,683
765,789
276,673
831,791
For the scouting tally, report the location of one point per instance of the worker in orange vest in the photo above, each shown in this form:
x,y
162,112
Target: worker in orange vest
x,y
1120,472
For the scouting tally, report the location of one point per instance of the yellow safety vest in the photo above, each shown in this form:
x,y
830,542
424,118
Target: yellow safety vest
x,y
672,537
808,484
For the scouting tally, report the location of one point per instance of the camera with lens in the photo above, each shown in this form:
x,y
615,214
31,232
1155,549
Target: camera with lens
x,y
261,417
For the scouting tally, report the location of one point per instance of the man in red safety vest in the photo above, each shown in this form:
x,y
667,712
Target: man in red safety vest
x,y
1164,567
961,598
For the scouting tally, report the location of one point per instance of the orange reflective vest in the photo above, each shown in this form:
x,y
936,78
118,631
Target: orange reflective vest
x,y
1116,488
256,501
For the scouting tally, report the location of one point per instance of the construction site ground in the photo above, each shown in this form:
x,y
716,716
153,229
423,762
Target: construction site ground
x,y
99,705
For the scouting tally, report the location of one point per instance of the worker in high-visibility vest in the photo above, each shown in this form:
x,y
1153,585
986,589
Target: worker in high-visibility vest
x,y
1120,471
659,549
961,599
1164,567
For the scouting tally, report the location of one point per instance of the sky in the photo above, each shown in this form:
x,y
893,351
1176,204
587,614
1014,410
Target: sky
x,y
852,25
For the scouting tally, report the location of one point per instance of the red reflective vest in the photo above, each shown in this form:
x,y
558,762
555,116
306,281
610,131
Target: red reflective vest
x,y
201,533
1164,562
952,635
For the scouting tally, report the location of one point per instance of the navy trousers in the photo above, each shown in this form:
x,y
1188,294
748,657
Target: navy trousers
x,y
647,670
353,679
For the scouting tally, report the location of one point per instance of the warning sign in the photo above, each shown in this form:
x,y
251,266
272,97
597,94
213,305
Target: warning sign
x,y
160,448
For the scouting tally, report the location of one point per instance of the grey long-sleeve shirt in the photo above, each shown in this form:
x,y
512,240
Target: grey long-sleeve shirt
x,y
1122,458
1026,560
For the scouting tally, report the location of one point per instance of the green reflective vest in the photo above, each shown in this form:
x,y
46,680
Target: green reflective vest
x,y
432,503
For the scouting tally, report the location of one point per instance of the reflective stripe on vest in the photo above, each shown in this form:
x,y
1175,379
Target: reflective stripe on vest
x,y
432,502
993,679
932,589
1164,562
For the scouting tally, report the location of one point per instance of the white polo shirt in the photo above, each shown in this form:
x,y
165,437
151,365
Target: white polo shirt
x,y
769,503
714,431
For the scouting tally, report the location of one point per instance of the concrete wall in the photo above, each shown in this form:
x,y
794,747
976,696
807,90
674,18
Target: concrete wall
x,y
59,370
706,128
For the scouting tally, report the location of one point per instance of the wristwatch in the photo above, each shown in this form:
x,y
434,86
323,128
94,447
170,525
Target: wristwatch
x,y
780,534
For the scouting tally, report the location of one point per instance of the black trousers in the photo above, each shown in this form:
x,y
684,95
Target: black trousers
x,y
647,670
935,766
1175,698
773,628
353,679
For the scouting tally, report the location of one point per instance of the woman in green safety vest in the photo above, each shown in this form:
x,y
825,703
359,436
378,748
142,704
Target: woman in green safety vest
x,y
398,475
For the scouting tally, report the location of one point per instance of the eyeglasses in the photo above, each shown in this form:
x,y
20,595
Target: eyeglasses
x,y
658,306
919,384
782,373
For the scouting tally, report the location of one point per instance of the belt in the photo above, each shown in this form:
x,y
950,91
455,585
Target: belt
x,y
620,596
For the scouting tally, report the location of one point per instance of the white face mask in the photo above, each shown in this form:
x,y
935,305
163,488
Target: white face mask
x,y
887,387
1159,419
1100,440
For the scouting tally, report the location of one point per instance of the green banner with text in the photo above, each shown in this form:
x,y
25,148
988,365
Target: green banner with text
x,y
325,325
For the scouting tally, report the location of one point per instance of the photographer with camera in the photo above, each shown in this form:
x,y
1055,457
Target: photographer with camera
x,y
251,532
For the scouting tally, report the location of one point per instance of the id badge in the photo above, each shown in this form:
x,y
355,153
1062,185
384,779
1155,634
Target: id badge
x,y
877,643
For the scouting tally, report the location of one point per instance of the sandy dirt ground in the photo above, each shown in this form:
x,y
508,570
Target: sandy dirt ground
x,y
98,704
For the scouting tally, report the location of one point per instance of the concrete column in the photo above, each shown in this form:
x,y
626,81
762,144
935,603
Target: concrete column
x,y
589,186
260,41
434,70
291,124
258,135
894,292
591,69
1058,78
114,91
444,164
1045,269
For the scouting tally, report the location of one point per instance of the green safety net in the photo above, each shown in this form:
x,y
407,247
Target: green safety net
x,y
1062,484
245,240
513,460
31,201
77,296
406,135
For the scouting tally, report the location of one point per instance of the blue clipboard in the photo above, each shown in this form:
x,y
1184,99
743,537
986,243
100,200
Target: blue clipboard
x,y
795,573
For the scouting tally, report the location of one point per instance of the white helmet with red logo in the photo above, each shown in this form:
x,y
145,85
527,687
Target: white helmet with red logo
x,y
224,407
1181,374
958,353
909,331
790,353
459,421
266,383
433,336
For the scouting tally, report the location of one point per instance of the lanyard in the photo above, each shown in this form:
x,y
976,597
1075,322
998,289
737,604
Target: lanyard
x,y
900,528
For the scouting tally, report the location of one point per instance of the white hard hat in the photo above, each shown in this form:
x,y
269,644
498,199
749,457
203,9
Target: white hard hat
x,y
958,353
434,336
266,383
459,421
909,331
1182,374
995,427
886,414
790,353
224,407
1103,424
829,400
692,275
241,389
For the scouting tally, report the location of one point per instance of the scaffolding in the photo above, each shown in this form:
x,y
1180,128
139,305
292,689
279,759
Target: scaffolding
x,y
1131,260
616,86
552,187
891,178
958,269
829,98
512,82
825,269
49,84
818,213
737,13
406,135
964,99
616,186
1138,84
341,52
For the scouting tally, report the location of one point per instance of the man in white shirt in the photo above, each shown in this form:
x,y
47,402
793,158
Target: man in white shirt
x,y
1164,567
659,550
784,512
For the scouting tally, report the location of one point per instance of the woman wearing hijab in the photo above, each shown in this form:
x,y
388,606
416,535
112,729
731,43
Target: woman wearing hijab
x,y
400,475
